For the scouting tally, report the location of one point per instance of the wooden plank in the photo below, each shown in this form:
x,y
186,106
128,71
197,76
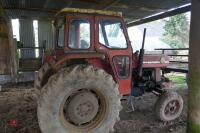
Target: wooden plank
x,y
5,64
172,49
160,16
181,70
178,55
181,62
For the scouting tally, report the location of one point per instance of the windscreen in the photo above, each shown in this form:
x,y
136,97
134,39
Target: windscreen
x,y
111,34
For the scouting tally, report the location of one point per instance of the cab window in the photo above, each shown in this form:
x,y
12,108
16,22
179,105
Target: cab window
x,y
79,34
111,34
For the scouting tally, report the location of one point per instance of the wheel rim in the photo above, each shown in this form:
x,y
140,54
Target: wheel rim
x,y
83,110
172,108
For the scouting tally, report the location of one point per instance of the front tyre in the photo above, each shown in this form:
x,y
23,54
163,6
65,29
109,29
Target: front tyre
x,y
169,106
80,99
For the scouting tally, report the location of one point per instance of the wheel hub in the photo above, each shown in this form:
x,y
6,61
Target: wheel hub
x,y
82,107
172,108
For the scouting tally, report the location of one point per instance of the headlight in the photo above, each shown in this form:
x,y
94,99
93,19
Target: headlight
x,y
122,66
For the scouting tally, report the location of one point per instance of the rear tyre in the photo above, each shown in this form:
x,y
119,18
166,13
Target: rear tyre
x,y
80,99
169,106
41,76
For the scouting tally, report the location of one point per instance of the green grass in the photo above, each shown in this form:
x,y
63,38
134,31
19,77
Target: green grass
x,y
177,79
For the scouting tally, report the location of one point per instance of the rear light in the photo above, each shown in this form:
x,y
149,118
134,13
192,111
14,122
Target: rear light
x,y
122,66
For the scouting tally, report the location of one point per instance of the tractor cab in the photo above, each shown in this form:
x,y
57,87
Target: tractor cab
x,y
79,30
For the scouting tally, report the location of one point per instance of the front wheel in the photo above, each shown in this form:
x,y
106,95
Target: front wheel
x,y
169,106
80,99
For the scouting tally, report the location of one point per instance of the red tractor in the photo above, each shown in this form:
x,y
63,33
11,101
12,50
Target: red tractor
x,y
93,67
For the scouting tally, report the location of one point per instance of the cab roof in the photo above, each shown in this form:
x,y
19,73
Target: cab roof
x,y
89,11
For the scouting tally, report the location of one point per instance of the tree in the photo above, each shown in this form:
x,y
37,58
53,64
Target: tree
x,y
176,31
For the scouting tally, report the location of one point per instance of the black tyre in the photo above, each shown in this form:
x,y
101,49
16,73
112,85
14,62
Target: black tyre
x,y
79,99
169,106
41,76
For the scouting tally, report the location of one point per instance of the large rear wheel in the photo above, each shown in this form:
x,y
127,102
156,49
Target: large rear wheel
x,y
80,99
42,76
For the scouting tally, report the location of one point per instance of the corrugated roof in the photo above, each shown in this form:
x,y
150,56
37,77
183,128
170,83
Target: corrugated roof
x,y
131,9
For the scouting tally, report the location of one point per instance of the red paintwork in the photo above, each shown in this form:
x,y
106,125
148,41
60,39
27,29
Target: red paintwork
x,y
97,52
64,58
154,61
59,53
48,58
151,61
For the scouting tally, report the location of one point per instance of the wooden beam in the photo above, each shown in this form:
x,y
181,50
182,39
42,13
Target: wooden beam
x,y
160,16
36,9
193,122
11,44
140,7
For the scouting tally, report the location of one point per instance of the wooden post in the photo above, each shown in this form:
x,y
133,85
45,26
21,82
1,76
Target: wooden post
x,y
9,49
193,125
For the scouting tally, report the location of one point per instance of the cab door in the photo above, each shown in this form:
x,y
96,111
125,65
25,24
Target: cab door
x,y
79,36
111,38
74,35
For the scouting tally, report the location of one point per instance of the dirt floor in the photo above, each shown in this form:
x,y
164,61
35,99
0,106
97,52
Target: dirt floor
x,y
18,113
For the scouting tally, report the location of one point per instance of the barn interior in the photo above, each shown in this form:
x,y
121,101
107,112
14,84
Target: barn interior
x,y
20,59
